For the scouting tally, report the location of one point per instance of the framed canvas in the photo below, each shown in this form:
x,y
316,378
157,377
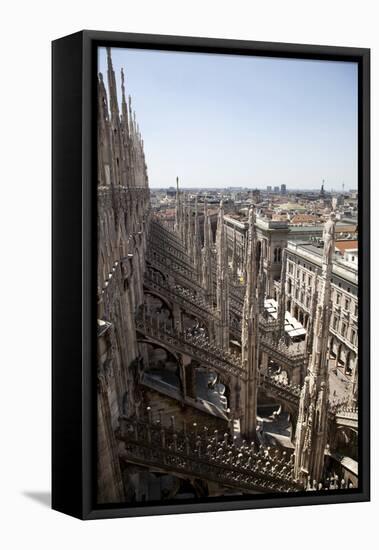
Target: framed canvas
x,y
210,275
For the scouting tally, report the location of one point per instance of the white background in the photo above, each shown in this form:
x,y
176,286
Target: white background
x,y
27,29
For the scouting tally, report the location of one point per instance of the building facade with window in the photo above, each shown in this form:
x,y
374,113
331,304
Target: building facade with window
x,y
303,263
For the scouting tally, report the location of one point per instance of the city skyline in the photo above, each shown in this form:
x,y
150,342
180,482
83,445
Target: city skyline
x,y
219,121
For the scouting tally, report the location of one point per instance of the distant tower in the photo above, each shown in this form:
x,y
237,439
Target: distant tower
x,y
222,290
249,340
311,429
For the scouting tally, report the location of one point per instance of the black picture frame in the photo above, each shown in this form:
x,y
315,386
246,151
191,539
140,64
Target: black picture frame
x,y
74,269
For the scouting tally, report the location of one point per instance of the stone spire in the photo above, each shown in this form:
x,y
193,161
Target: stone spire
x,y
177,208
222,291
249,339
190,230
234,255
113,103
244,258
105,163
185,220
261,287
311,429
312,316
282,297
207,279
124,106
131,120
353,394
196,253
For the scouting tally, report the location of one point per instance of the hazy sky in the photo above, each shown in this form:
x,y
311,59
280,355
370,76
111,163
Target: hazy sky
x,y
220,120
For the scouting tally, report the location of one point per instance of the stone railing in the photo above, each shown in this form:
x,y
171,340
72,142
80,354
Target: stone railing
x,y
347,416
207,354
293,355
213,457
273,384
